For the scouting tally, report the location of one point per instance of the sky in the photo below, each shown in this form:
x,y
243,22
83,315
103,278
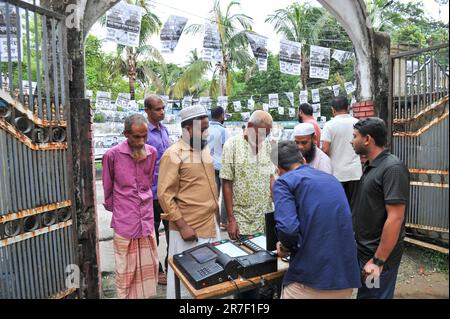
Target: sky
x,y
197,12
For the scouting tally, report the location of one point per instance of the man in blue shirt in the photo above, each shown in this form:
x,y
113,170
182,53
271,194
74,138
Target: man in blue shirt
x,y
217,138
158,137
313,224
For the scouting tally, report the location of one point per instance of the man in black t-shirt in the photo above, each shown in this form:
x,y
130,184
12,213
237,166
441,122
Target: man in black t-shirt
x,y
379,210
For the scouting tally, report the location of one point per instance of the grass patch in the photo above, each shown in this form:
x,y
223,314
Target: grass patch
x,y
98,165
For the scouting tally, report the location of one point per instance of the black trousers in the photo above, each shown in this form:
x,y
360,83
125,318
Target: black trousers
x,y
157,215
350,188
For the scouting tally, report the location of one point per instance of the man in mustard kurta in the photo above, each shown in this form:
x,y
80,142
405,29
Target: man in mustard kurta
x,y
187,189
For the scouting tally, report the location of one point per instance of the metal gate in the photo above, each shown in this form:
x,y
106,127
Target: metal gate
x,y
418,102
36,215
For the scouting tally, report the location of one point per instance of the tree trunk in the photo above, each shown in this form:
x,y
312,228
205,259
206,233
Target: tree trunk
x,y
131,59
223,75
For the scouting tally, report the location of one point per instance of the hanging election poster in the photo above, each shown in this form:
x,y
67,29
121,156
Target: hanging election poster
x,y
290,96
319,66
273,100
132,106
212,51
205,101
103,100
26,87
222,101
290,57
281,110
237,106
123,24
122,101
187,101
336,89
303,97
245,116
251,104
258,43
315,95
171,33
342,56
10,24
316,109
291,112
349,87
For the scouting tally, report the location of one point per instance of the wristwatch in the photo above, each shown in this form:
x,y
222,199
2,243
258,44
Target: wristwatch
x,y
378,262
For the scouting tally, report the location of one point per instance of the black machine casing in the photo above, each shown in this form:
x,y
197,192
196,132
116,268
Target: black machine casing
x,y
213,268
259,263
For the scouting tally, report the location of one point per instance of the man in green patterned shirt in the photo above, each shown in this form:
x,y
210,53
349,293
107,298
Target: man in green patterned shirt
x,y
247,175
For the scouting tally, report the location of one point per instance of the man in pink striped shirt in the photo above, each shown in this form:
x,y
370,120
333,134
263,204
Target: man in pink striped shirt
x,y
128,170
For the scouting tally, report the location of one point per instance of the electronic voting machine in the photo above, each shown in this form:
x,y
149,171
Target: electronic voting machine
x,y
210,264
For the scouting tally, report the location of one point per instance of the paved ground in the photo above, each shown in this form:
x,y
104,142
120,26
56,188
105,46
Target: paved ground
x,y
422,274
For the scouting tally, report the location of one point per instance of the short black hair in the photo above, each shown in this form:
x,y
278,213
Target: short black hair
x,y
375,127
285,154
340,103
306,109
217,112
190,122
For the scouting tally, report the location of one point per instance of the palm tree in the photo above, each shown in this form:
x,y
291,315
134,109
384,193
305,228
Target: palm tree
x,y
127,57
233,41
300,23
168,79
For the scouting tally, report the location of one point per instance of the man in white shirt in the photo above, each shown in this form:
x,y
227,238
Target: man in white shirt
x,y
304,135
337,135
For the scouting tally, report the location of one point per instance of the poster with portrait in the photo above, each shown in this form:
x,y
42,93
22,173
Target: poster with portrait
x,y
273,100
9,22
122,101
245,116
205,101
303,97
212,51
123,24
237,106
171,33
290,57
187,101
336,89
316,109
291,112
222,101
281,110
342,56
349,87
103,100
258,43
251,104
319,66
315,95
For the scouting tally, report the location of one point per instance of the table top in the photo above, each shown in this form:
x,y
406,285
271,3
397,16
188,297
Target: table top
x,y
228,287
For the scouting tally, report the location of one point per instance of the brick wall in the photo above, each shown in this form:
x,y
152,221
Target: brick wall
x,y
363,109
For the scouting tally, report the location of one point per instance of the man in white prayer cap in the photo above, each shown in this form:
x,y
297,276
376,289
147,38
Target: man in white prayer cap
x,y
304,135
187,189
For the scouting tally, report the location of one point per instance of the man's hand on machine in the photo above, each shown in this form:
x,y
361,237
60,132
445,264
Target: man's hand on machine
x,y
282,251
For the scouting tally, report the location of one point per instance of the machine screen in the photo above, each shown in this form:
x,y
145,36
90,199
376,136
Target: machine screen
x,y
203,254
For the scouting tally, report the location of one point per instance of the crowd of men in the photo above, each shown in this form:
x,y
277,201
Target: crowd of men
x,y
340,219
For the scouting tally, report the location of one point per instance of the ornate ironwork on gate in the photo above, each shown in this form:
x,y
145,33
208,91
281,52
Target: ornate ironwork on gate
x,y
36,215
418,101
